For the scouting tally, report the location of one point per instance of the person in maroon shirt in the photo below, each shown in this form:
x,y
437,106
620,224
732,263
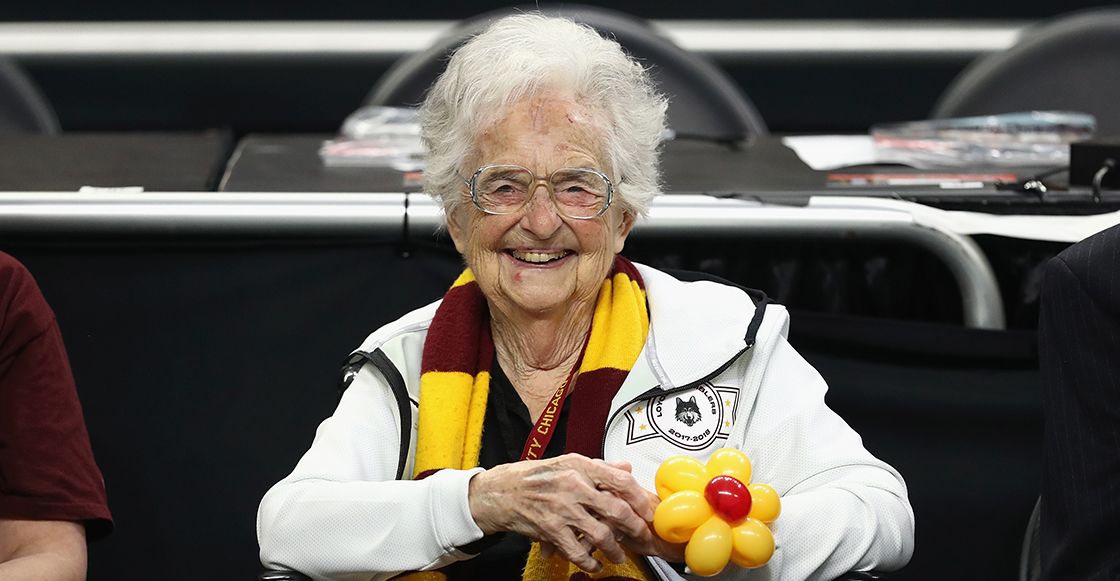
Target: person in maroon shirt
x,y
52,496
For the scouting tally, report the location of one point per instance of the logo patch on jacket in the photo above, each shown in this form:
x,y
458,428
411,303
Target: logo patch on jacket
x,y
691,419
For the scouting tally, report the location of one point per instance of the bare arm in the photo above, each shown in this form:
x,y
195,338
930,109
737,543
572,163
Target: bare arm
x,y
42,550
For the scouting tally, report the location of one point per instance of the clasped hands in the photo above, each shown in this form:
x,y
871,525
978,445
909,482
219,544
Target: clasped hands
x,y
572,505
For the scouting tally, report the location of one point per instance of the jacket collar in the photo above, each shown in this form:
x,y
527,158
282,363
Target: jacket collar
x,y
695,327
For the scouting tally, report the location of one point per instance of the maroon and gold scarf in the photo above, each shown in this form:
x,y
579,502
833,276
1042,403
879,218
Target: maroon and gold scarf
x,y
455,382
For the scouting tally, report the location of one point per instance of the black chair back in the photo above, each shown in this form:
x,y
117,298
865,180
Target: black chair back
x,y
1030,560
704,102
1069,63
23,108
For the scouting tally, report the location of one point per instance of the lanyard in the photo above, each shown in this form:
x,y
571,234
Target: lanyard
x,y
542,431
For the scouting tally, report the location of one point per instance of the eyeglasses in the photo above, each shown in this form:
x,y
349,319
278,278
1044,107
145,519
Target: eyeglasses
x,y
578,193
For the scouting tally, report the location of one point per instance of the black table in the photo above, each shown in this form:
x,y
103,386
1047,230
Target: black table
x,y
291,163
180,162
767,171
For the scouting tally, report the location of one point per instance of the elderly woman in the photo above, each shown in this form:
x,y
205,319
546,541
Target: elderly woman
x,y
513,429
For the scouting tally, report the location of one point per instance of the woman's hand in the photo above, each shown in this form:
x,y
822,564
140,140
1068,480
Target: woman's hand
x,y
656,547
558,499
653,545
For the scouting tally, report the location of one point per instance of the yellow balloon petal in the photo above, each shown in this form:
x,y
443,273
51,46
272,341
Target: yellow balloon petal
x,y
680,473
730,462
765,504
710,548
679,515
752,544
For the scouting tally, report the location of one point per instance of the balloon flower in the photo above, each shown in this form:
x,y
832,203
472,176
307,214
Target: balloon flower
x,y
715,511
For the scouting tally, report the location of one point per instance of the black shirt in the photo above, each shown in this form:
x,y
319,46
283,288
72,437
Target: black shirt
x,y
504,432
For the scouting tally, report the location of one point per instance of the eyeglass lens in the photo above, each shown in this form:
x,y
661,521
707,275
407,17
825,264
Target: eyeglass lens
x,y
504,189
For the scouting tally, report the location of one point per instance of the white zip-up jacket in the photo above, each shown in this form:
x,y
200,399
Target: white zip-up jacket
x,y
716,371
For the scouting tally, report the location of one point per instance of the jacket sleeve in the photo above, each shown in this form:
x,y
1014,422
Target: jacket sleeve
x,y
842,508
341,515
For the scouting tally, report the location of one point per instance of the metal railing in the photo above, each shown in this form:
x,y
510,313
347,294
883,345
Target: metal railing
x,y
349,214
725,40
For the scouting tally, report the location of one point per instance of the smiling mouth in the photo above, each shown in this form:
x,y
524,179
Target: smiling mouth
x,y
539,257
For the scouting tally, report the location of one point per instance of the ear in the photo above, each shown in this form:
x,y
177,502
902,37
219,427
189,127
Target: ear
x,y
622,230
692,399
456,230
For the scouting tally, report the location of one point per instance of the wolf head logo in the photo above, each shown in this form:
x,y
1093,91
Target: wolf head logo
x,y
688,412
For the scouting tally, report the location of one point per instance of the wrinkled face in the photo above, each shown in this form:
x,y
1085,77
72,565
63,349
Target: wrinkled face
x,y
536,262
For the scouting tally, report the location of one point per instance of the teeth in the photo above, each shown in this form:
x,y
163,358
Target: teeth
x,y
537,256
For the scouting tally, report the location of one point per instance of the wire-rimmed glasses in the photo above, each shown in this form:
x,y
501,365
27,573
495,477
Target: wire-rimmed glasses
x,y
578,193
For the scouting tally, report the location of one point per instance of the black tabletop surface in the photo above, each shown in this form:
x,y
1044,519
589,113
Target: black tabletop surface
x,y
767,171
154,161
291,163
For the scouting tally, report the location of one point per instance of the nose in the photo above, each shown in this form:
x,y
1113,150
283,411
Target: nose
x,y
541,216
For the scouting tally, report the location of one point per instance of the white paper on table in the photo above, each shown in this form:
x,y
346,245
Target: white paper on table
x,y
824,152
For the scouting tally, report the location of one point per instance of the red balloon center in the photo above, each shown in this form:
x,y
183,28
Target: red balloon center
x,y
729,498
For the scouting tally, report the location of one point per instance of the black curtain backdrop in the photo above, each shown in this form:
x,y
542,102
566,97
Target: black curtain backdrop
x,y
203,370
958,413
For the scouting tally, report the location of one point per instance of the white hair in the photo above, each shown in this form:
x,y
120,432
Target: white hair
x,y
519,56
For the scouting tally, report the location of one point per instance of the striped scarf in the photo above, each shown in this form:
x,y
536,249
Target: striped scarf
x,y
455,382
